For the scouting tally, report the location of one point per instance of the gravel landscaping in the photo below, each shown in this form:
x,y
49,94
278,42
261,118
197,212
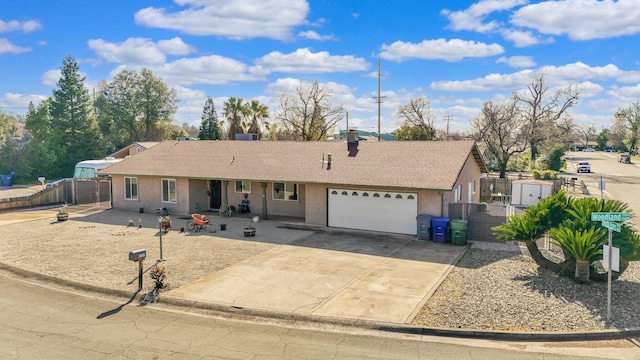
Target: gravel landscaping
x,y
506,290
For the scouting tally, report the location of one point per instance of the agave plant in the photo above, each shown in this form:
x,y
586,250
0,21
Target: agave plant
x,y
584,245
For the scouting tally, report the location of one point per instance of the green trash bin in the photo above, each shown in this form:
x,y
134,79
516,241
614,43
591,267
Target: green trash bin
x,y
458,232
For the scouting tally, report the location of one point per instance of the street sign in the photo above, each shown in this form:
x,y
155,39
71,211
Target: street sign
x,y
611,225
610,216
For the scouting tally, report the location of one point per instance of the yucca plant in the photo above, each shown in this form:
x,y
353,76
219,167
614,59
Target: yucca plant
x,y
584,245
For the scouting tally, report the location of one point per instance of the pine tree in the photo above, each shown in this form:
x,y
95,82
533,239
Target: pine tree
x,y
74,128
209,128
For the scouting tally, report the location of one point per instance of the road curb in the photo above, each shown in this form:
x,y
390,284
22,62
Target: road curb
x,y
612,334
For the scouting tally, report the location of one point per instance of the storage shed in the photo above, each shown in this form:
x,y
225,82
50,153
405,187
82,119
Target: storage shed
x,y
529,192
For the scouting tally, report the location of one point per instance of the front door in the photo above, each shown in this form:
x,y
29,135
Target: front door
x,y
215,189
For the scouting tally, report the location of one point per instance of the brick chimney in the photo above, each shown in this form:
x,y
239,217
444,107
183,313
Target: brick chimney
x,y
352,142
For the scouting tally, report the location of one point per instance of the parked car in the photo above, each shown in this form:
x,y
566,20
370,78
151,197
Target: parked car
x,y
624,158
589,149
584,166
611,150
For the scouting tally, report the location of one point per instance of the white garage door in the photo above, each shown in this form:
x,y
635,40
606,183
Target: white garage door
x,y
373,210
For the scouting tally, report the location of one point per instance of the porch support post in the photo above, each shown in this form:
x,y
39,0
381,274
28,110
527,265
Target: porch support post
x,y
265,213
226,192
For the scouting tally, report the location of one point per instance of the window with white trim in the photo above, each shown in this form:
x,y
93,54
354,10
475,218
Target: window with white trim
x,y
131,188
169,191
472,190
243,186
287,191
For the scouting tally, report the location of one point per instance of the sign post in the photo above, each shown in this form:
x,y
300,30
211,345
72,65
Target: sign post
x,y
608,220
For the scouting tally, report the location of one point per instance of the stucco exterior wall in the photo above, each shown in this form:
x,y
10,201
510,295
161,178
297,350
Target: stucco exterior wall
x,y
429,203
198,198
150,195
316,204
470,172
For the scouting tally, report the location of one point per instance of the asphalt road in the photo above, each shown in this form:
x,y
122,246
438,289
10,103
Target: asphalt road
x,y
620,180
38,322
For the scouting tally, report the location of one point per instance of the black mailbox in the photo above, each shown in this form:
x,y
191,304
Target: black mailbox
x,y
138,255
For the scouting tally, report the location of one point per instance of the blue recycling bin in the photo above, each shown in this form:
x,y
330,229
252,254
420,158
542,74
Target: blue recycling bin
x,y
440,229
6,180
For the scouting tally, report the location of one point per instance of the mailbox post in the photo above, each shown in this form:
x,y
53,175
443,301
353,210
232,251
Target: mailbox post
x,y
139,256
160,219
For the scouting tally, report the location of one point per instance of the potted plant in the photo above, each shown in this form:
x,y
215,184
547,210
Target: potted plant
x,y
63,215
249,230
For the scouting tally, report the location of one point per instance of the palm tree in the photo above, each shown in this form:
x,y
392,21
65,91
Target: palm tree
x,y
234,110
533,224
256,113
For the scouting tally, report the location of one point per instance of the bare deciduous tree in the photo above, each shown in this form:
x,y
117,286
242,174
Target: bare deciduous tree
x,y
309,114
500,128
416,120
628,120
546,114
586,133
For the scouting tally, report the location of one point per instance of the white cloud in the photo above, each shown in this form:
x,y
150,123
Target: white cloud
x,y
24,26
235,19
522,38
472,18
212,70
628,92
589,89
441,49
581,19
570,74
51,78
307,62
7,47
175,46
140,51
577,72
630,77
290,85
517,61
312,35
12,100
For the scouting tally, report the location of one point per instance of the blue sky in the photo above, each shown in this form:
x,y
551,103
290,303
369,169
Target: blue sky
x,y
457,54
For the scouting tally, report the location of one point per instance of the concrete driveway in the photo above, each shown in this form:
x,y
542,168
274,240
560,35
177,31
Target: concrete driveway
x,y
367,276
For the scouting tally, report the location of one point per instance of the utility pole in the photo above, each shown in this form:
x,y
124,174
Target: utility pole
x,y
378,99
448,118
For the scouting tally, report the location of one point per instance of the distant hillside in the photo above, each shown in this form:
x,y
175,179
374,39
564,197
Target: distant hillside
x,y
367,135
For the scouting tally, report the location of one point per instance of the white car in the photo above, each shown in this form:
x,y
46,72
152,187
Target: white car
x,y
584,166
589,149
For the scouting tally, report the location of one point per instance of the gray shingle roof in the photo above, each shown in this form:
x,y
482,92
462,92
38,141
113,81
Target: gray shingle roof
x,y
401,164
